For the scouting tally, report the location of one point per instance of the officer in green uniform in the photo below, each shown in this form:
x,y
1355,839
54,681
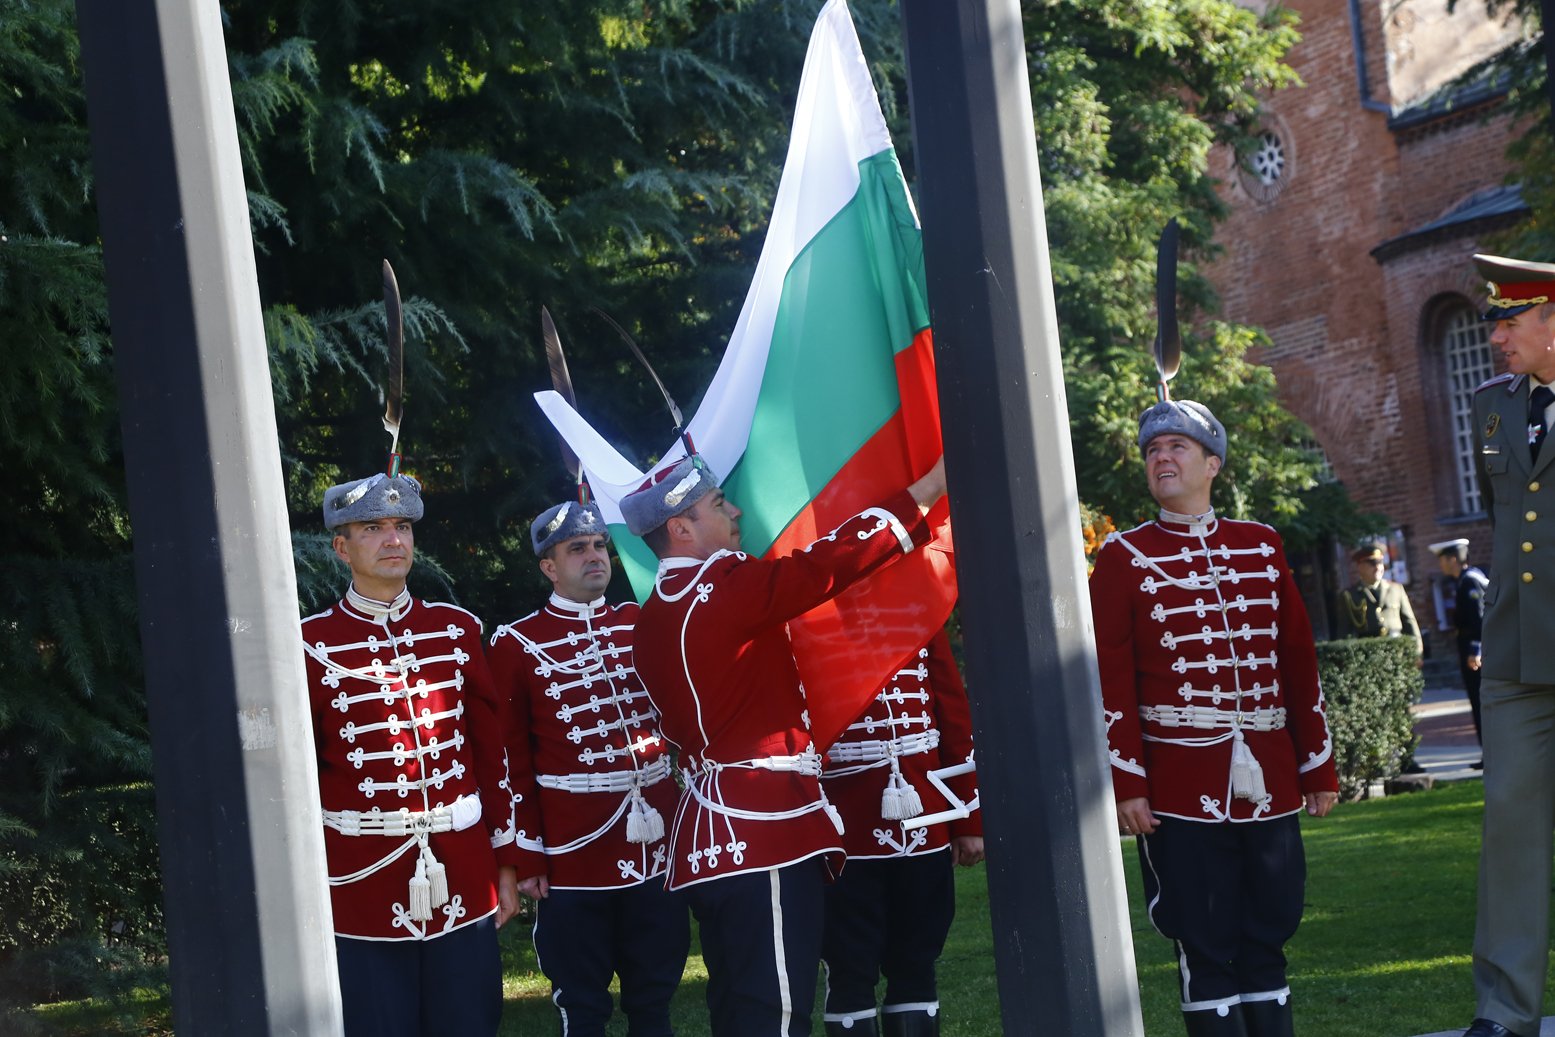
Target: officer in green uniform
x,y
1517,699
1373,606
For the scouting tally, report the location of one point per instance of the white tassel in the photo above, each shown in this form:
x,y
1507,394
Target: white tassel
x,y
644,824
1246,772
900,800
437,875
834,814
420,893
891,801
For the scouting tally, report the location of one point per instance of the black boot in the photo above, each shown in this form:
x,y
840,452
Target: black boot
x,y
852,1028
1268,1018
912,1023
1210,1023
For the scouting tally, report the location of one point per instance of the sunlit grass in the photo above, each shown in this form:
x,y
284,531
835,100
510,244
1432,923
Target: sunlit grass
x,y
1383,950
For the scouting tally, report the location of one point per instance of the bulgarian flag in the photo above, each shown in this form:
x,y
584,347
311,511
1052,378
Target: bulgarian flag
x,y
825,402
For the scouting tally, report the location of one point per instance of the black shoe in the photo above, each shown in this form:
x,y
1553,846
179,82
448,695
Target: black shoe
x,y
1486,1028
1477,765
1210,1023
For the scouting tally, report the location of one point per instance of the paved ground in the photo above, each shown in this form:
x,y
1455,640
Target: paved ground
x,y
1446,750
1446,729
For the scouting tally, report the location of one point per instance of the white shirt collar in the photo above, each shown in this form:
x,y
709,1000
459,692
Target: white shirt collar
x,y
583,610
1198,525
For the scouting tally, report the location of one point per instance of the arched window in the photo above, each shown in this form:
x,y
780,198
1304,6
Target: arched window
x,y
1466,349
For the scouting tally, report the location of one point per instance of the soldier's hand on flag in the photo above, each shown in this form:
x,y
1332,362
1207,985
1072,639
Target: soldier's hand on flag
x,y
928,490
1135,818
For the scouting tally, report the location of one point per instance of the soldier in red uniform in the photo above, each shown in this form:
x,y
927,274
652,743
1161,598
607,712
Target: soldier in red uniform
x,y
592,788
418,820
890,910
754,838
1215,726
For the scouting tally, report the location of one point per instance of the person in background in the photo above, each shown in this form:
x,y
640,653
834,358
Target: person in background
x,y
1468,584
1374,606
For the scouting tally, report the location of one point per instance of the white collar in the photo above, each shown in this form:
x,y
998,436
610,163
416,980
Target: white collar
x,y
1198,525
581,609
379,610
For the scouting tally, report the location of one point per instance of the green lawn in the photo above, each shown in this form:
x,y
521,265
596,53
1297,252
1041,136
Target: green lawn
x,y
1383,952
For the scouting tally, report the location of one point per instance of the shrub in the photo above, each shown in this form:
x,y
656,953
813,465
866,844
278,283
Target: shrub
x,y
1369,683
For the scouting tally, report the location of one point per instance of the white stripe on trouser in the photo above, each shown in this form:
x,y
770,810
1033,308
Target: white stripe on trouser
x,y
785,997
1281,995
929,1007
556,994
847,1019
1220,1006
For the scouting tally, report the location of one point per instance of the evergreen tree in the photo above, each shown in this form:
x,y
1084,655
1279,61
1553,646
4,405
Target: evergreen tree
x,y
504,155
77,862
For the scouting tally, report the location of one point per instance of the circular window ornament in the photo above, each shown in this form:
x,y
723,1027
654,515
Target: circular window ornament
x,y
1268,161
1268,168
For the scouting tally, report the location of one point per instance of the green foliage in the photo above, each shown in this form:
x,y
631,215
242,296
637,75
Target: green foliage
x,y
77,857
504,155
1369,684
1129,99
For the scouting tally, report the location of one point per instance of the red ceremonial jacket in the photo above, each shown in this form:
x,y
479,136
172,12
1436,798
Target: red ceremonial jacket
x,y
1208,672
408,732
920,720
712,648
583,737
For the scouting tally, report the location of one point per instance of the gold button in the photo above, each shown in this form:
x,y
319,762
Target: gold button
x,y
1533,487
1527,577
1530,516
1527,546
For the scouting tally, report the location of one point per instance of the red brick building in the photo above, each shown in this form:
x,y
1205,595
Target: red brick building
x,y
1349,243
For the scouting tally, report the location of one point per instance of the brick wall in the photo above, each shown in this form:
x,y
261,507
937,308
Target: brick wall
x,y
1354,347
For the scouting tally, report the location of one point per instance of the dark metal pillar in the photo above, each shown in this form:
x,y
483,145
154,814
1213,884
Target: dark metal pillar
x,y
237,797
1061,928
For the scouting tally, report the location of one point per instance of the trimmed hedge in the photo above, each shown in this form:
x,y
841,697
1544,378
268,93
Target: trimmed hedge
x,y
1369,683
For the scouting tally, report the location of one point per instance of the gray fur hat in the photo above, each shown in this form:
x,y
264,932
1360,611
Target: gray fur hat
x,y
1184,418
563,522
375,497
667,494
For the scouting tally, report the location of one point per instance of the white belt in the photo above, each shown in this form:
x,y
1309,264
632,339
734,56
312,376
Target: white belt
x,y
456,817
807,762
1208,718
429,885
880,750
609,781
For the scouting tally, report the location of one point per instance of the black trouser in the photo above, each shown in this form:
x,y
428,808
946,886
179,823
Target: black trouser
x,y
761,940
1229,896
886,916
583,937
450,986
1471,679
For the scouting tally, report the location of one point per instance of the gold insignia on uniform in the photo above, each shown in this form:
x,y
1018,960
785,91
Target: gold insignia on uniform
x,y
1491,424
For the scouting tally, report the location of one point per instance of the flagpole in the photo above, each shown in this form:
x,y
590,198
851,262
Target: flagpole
x,y
1062,943
249,931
